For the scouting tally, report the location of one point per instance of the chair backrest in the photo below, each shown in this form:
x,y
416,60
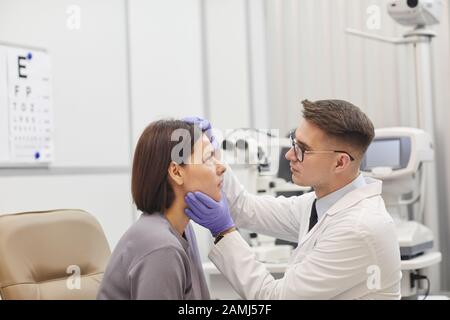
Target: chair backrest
x,y
58,254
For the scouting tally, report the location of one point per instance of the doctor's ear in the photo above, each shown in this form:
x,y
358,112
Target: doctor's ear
x,y
343,162
176,173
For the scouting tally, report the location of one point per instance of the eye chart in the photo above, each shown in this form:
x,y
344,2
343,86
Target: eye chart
x,y
26,117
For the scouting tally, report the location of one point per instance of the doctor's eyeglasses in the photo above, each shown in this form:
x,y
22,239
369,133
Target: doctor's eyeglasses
x,y
300,151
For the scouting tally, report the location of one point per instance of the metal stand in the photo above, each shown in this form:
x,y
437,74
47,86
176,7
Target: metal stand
x,y
421,38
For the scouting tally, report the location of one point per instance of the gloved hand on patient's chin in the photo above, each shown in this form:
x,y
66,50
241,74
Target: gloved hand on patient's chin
x,y
206,128
213,215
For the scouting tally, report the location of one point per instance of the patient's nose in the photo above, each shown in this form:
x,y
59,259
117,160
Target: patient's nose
x,y
220,169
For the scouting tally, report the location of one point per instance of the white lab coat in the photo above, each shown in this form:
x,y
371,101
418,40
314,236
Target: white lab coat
x,y
351,253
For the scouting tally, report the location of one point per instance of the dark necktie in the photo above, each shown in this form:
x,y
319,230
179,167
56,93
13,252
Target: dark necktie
x,y
313,216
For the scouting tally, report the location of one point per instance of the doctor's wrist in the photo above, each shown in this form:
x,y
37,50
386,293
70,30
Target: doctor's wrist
x,y
223,233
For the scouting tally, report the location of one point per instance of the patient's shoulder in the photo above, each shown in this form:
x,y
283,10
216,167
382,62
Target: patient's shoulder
x,y
149,233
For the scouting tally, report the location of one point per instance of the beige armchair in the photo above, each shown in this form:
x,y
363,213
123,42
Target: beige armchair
x,y
59,254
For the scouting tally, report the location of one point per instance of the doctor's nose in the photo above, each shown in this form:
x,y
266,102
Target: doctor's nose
x,y
290,155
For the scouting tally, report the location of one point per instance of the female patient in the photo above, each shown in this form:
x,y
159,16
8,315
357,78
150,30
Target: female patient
x,y
157,258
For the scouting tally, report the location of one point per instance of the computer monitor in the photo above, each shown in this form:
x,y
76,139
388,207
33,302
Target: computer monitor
x,y
392,152
384,153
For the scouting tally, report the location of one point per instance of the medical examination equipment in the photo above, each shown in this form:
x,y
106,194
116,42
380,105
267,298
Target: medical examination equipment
x,y
416,12
257,159
397,157
26,118
420,14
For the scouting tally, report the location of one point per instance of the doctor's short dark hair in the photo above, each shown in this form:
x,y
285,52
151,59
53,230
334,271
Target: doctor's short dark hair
x,y
341,120
150,185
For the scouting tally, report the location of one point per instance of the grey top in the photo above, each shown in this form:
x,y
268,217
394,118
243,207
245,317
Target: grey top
x,y
153,261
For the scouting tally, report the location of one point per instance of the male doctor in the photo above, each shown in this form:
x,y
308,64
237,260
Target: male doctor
x,y
347,245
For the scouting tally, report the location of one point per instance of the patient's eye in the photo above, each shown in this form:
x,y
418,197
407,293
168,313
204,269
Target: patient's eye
x,y
209,158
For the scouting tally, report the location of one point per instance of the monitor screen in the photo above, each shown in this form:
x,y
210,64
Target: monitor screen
x,y
383,153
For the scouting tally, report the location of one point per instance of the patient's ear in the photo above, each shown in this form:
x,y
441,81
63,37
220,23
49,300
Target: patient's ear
x,y
176,173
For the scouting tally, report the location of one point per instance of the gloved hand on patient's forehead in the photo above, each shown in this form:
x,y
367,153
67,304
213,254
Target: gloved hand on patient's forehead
x,y
198,121
206,128
209,213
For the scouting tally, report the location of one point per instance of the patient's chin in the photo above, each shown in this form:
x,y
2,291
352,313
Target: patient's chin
x,y
216,195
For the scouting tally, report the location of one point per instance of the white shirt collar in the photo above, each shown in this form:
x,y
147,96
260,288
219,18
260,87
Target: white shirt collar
x,y
325,203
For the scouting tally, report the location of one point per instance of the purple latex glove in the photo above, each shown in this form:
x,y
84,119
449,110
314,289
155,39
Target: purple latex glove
x,y
206,128
214,216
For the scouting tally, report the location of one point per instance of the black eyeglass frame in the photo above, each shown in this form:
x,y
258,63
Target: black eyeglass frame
x,y
299,150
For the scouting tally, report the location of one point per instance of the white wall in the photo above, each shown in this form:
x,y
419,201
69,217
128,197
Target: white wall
x,y
258,63
166,60
90,102
228,76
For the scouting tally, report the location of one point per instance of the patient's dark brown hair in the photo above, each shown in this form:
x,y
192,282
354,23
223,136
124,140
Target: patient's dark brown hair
x,y
150,185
